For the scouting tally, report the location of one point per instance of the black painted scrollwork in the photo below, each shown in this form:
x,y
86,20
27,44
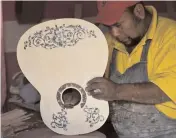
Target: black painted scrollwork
x,y
93,116
59,120
58,36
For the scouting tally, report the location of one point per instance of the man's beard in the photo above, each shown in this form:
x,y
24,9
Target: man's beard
x,y
133,42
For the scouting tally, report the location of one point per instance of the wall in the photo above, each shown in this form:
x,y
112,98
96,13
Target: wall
x,y
2,59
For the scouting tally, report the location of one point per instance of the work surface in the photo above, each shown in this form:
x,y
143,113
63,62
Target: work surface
x,y
47,133
21,123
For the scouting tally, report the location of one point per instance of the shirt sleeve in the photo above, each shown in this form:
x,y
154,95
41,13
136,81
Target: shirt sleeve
x,y
164,67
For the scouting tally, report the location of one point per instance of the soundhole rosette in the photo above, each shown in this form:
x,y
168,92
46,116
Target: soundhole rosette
x,y
67,86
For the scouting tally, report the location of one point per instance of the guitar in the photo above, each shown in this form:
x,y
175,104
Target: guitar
x,y
61,55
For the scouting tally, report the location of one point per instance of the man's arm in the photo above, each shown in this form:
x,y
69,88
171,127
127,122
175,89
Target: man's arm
x,y
147,93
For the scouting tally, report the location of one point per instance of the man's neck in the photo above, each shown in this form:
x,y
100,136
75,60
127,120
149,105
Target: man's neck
x,y
130,49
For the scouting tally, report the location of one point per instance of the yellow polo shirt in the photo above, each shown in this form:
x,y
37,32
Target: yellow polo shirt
x,y
161,58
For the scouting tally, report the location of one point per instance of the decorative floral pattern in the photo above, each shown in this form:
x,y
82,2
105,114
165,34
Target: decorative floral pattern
x,y
58,36
93,116
59,120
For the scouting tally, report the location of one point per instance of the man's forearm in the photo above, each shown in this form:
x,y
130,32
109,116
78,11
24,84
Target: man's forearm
x,y
147,93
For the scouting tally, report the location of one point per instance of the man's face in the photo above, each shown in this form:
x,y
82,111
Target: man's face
x,y
130,27
126,29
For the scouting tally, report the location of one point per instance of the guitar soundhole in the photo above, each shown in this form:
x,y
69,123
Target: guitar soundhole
x,y
70,95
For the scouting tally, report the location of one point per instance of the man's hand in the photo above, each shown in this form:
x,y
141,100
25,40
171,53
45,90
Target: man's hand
x,y
145,93
103,89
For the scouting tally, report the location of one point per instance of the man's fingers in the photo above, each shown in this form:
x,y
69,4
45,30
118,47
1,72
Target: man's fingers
x,y
95,92
95,80
92,87
95,88
97,95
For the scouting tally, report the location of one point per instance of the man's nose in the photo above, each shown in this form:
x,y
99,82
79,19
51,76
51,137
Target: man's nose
x,y
116,31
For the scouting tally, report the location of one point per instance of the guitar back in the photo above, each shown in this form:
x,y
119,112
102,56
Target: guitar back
x,y
64,54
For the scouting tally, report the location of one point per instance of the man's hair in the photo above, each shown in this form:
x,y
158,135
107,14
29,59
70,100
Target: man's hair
x,y
131,8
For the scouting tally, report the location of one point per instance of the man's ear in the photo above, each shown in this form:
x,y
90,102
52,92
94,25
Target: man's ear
x,y
139,11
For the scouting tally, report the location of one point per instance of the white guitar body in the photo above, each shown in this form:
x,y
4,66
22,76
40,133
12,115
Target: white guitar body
x,y
60,54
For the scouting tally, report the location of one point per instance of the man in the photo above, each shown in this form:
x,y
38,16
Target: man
x,y
140,78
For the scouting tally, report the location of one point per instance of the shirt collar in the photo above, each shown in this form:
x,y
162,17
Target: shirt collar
x,y
152,28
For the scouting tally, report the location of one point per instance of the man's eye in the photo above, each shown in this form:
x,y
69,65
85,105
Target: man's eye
x,y
118,25
107,26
